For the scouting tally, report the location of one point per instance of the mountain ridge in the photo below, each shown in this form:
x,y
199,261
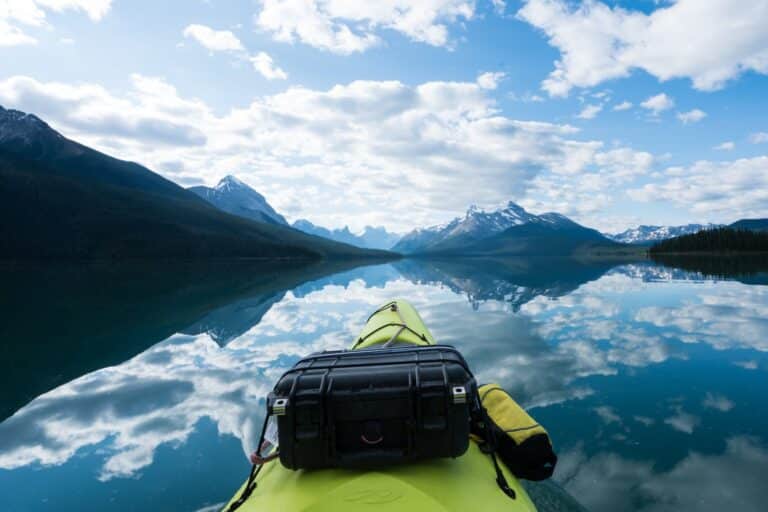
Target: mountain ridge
x,y
372,237
510,230
645,234
62,200
233,196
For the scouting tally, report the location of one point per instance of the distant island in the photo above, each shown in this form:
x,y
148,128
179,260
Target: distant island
x,y
725,240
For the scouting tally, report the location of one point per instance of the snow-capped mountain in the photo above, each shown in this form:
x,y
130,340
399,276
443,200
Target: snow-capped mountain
x,y
649,234
476,224
235,197
370,238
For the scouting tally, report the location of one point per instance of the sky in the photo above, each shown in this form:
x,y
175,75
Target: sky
x,y
403,113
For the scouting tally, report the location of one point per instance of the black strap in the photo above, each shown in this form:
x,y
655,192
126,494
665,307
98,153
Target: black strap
x,y
500,480
490,441
251,484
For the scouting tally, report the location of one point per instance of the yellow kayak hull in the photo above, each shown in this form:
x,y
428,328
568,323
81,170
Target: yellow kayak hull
x,y
467,483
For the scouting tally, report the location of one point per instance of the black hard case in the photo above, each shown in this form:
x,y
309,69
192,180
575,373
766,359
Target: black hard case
x,y
336,399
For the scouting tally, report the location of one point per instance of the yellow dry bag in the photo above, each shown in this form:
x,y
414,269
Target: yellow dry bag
x,y
521,443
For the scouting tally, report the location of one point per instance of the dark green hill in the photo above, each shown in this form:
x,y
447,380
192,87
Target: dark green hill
x,y
62,200
751,224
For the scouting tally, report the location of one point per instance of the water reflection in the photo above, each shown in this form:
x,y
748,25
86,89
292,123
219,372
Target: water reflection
x,y
648,379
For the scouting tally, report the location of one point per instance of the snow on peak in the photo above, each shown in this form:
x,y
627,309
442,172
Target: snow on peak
x,y
229,181
644,234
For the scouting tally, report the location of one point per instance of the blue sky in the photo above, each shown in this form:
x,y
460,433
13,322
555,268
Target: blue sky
x,y
403,113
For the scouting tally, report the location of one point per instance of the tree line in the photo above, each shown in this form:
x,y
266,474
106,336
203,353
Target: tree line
x,y
715,240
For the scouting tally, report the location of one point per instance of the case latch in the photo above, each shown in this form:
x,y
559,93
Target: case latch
x,y
459,395
278,408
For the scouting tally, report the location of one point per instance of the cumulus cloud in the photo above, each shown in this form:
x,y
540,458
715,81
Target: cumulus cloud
x,y
732,189
32,13
725,146
346,145
266,66
624,105
349,27
589,111
691,39
490,80
692,116
226,41
758,138
214,40
658,104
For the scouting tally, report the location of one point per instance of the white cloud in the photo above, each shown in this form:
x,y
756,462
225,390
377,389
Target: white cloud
x,y
32,13
658,103
725,146
758,138
692,116
490,80
527,97
692,39
589,111
214,40
266,66
733,189
624,105
224,40
347,27
346,145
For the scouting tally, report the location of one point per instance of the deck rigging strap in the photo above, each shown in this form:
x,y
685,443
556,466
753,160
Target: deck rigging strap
x,y
251,484
490,442
392,306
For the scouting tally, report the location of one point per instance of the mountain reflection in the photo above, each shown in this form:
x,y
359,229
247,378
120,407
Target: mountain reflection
x,y
616,362
67,320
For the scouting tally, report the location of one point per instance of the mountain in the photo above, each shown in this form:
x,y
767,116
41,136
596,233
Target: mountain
x,y
508,231
646,235
371,237
62,200
550,234
476,224
377,237
751,224
233,196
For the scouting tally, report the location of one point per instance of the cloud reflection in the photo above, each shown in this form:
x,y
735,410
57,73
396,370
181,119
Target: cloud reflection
x,y
542,349
730,480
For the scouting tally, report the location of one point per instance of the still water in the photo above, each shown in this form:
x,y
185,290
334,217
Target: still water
x,y
141,388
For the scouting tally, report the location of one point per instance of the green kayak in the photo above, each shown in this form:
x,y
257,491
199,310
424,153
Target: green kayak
x,y
462,484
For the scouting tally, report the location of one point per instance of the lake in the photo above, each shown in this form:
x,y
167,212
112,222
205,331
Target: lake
x,y
141,388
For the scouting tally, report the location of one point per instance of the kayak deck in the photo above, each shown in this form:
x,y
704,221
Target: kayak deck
x,y
438,485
